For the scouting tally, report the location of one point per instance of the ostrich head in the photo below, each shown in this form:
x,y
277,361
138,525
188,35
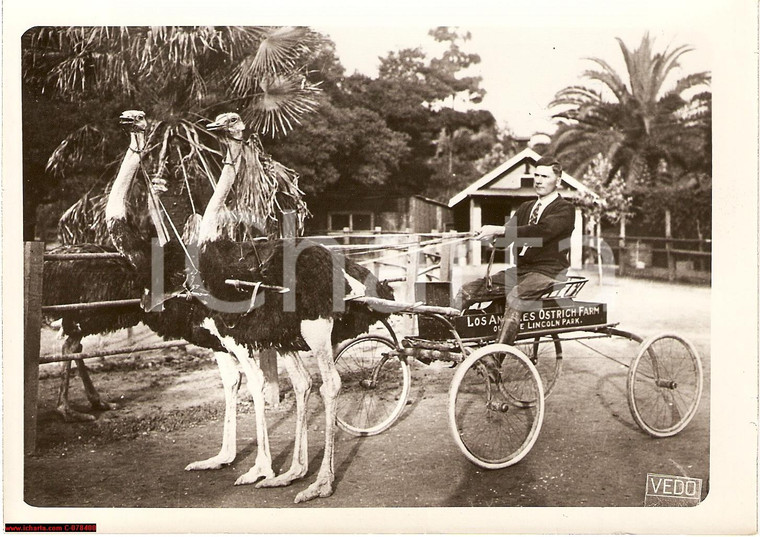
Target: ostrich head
x,y
133,121
230,124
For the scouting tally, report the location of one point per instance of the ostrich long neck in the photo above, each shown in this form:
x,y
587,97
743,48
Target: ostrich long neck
x,y
209,227
117,199
124,235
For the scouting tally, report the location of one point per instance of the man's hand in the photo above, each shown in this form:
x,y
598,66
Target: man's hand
x,y
488,232
159,184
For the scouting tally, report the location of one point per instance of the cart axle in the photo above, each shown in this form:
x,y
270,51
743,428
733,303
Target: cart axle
x,y
670,384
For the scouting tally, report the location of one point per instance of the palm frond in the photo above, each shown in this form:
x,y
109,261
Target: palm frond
x,y
85,142
277,53
280,102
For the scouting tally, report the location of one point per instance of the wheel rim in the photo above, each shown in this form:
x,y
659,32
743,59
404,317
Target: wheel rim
x,y
665,385
490,428
546,355
374,386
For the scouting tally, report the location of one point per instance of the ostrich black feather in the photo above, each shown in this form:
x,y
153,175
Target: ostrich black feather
x,y
274,319
66,282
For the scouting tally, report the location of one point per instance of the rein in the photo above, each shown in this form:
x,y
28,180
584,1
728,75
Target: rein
x,y
154,205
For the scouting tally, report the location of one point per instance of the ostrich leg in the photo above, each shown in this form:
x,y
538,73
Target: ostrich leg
x,y
262,467
255,379
301,380
317,335
89,389
71,345
231,380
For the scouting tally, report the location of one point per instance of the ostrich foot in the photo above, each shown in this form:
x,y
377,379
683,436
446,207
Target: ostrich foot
x,y
283,480
254,474
214,463
321,488
70,415
102,405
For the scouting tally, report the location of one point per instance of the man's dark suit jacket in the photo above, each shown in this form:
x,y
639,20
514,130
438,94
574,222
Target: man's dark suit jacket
x,y
553,229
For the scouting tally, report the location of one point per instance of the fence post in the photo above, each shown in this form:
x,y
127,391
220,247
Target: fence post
x,y
668,253
446,256
33,252
412,269
268,358
621,248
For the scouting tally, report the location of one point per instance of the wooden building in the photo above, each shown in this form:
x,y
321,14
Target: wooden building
x,y
378,212
493,198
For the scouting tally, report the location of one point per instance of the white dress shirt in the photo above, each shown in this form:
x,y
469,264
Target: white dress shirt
x,y
546,200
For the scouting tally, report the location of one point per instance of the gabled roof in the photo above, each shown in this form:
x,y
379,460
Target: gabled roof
x,y
513,162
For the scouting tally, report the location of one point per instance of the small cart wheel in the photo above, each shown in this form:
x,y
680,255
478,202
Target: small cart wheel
x,y
489,426
546,355
375,385
664,385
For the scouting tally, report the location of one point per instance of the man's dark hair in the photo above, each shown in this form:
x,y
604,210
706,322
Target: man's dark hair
x,y
549,161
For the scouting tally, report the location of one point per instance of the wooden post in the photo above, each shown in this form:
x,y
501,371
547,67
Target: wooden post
x,y
700,259
447,258
412,268
621,248
268,357
668,236
598,228
32,319
476,222
268,360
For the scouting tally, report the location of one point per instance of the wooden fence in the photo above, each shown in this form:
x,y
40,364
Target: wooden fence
x,y
669,258
34,258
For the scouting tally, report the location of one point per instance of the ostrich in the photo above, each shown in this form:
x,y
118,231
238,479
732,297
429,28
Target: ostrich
x,y
312,324
67,282
87,281
180,318
177,317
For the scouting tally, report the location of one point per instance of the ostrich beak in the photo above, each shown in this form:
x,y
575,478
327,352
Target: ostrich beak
x,y
214,125
126,120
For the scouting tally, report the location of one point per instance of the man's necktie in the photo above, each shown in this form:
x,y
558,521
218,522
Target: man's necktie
x,y
532,221
534,214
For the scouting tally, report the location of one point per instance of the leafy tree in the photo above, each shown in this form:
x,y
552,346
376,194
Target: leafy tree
x,y
342,148
417,96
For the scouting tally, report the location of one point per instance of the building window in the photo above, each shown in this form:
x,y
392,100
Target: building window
x,y
354,221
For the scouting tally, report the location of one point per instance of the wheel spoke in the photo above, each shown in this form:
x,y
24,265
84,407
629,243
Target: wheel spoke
x,y
489,424
375,385
664,385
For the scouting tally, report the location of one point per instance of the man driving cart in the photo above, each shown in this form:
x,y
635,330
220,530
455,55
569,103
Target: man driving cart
x,y
540,231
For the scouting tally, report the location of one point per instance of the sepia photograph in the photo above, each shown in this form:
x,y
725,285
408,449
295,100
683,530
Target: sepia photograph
x,y
381,270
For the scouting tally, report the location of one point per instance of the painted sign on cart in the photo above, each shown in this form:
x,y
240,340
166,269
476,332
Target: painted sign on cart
x,y
569,315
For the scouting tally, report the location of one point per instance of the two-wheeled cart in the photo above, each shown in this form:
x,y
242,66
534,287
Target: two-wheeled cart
x,y
496,398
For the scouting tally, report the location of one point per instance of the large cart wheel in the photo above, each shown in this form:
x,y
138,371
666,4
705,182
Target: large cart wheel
x,y
374,385
496,406
546,355
664,385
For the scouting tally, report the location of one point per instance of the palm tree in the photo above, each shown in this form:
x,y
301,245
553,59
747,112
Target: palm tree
x,y
637,119
178,75
642,123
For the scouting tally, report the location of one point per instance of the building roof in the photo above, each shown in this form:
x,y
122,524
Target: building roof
x,y
510,164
